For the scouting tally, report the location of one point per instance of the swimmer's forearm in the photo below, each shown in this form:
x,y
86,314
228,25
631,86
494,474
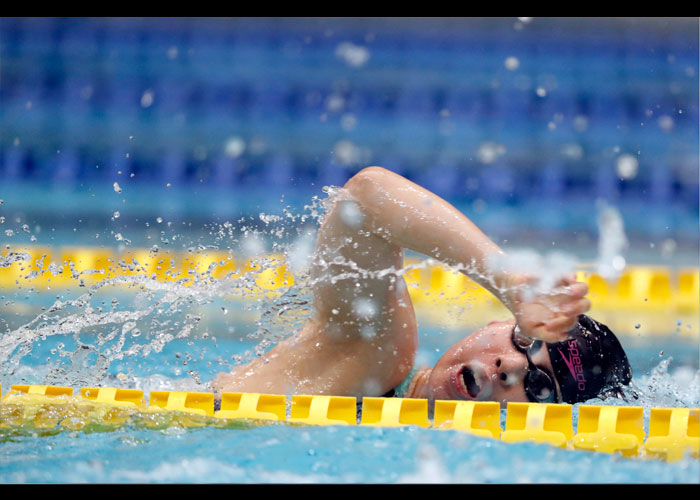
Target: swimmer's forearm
x,y
414,218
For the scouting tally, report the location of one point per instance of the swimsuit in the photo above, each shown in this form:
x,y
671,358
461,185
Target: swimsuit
x,y
400,390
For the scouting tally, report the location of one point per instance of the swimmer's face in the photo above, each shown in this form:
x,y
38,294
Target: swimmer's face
x,y
485,366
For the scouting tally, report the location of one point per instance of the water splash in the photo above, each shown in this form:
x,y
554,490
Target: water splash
x,y
612,241
125,319
546,269
665,387
551,267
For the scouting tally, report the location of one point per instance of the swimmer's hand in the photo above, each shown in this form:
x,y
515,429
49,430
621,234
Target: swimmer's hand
x,y
548,315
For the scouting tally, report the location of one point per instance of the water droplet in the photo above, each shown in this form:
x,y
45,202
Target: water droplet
x,y
364,307
489,152
147,98
512,63
353,55
368,332
234,147
665,123
351,214
627,166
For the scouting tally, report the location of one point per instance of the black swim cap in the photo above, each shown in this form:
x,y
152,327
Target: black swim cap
x,y
591,361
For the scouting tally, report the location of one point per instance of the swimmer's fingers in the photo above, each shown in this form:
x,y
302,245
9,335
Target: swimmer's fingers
x,y
567,305
551,322
570,300
568,279
574,290
541,332
553,331
551,315
533,320
567,317
575,307
558,327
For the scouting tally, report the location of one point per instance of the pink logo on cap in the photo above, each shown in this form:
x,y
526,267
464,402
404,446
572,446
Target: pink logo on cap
x,y
574,364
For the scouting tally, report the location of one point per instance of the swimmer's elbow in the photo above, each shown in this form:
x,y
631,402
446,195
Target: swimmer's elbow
x,y
367,180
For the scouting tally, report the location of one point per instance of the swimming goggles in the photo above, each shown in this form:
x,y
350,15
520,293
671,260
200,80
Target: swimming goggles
x,y
539,382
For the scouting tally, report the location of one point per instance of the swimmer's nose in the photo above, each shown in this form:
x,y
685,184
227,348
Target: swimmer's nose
x,y
511,368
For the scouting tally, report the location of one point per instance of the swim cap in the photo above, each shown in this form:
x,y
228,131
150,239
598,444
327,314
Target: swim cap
x,y
591,361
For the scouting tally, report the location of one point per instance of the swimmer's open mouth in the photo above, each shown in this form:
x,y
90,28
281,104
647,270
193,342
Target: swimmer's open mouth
x,y
470,382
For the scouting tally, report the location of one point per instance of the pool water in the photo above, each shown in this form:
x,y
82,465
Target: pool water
x,y
316,454
148,335
279,453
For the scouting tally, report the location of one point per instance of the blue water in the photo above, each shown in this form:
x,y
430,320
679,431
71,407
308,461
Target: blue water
x,y
665,367
281,454
278,453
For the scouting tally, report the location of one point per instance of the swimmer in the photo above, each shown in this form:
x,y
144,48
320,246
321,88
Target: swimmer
x,y
363,337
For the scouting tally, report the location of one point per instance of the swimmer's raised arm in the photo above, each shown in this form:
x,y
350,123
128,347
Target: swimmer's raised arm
x,y
363,337
412,217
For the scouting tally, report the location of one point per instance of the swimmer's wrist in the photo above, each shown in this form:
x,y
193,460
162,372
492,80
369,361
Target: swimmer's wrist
x,y
508,288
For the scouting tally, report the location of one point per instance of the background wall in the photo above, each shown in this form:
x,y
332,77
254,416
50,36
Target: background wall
x,y
522,122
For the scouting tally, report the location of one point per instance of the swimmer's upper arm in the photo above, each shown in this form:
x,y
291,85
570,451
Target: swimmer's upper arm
x,y
314,363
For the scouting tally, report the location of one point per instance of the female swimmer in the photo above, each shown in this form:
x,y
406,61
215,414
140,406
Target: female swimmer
x,y
363,338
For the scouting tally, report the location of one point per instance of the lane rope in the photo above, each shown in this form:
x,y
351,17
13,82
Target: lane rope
x,y
672,432
644,300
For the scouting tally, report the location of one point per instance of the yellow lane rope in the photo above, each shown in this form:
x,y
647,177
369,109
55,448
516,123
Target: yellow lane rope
x,y
643,300
672,432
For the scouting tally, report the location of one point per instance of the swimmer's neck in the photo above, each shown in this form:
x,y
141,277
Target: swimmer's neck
x,y
418,388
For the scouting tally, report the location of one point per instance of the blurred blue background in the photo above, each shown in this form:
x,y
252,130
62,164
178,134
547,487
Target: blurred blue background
x,y
522,122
